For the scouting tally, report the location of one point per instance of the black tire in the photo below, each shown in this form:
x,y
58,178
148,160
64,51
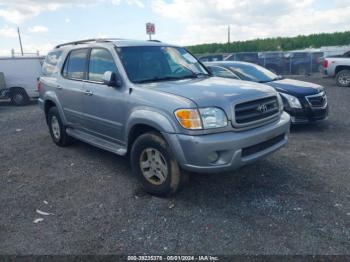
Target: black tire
x,y
19,96
343,78
53,117
174,179
301,70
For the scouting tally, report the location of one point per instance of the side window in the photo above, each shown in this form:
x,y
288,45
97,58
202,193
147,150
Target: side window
x,y
49,66
75,66
222,72
101,61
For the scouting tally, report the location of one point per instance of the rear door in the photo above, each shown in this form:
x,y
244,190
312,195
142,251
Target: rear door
x,y
70,87
103,106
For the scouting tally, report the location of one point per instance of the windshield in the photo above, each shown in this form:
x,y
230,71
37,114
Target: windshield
x,y
254,73
158,63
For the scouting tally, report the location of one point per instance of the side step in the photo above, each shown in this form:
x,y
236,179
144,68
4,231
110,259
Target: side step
x,y
96,141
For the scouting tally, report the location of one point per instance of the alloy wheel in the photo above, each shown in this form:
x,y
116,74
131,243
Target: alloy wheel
x,y
153,166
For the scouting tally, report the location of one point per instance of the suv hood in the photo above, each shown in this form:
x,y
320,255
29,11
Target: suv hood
x,y
296,87
214,91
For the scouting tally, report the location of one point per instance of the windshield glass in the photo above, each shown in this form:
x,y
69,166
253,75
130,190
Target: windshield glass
x,y
254,73
157,63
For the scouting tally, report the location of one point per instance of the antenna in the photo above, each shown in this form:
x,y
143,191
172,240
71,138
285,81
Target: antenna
x,y
20,40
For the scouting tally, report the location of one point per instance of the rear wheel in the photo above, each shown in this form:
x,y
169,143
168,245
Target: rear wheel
x,y
343,78
155,166
19,96
57,129
301,70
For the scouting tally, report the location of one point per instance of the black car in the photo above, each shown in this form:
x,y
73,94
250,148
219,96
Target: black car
x,y
304,101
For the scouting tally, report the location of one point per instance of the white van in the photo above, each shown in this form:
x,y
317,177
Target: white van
x,y
20,78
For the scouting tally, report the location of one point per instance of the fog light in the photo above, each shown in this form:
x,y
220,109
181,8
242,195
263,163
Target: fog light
x,y
213,157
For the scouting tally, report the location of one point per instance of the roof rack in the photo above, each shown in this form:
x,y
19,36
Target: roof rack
x,y
88,41
154,40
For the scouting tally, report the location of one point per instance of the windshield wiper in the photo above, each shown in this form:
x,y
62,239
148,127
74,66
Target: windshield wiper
x,y
201,74
166,78
194,74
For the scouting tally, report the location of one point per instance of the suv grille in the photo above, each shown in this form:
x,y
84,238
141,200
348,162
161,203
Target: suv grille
x,y
256,111
317,101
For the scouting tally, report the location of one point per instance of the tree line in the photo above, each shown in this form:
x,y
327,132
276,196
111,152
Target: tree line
x,y
275,44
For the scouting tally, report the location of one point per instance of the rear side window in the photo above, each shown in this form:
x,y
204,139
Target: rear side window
x,y
76,64
101,61
50,64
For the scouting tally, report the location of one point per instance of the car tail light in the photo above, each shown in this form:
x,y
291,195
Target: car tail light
x,y
38,85
325,63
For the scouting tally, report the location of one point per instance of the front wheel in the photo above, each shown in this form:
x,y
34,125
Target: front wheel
x,y
155,166
19,96
343,78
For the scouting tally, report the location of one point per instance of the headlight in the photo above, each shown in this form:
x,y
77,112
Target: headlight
x,y
280,102
292,100
211,117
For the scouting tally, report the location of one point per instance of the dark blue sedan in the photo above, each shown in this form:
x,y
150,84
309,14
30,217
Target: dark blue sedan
x,y
305,102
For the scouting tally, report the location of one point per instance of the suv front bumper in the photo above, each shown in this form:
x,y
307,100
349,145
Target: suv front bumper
x,y
229,150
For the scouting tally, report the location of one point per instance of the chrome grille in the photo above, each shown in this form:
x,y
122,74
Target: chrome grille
x,y
317,101
256,111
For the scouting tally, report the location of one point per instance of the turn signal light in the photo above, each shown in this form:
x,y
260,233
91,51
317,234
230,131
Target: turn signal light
x,y
189,118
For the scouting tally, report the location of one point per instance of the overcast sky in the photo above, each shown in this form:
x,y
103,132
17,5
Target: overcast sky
x,y
44,23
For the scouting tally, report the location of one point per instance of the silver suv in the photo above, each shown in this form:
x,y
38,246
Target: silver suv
x,y
157,103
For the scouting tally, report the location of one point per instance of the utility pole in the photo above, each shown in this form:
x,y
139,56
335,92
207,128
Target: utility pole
x,y
20,40
228,34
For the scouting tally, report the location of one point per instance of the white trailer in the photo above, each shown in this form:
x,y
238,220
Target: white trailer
x,y
20,75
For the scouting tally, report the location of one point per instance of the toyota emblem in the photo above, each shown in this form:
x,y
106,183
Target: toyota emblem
x,y
262,108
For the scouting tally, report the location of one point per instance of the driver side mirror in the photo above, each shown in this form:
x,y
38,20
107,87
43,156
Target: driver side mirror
x,y
111,79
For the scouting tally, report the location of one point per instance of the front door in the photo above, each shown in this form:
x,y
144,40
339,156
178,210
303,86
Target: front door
x,y
103,105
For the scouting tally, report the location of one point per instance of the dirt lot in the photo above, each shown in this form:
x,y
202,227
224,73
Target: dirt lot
x,y
296,201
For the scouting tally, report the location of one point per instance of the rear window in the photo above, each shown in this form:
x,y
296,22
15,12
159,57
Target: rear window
x,y
50,64
76,64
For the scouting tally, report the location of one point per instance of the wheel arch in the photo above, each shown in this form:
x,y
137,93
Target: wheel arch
x,y
16,87
50,99
47,105
340,68
138,130
143,121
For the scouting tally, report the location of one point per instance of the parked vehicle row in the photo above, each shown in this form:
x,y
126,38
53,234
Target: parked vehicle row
x,y
19,78
338,67
304,101
159,104
299,63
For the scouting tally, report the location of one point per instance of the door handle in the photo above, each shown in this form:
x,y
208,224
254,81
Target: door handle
x,y
59,87
88,93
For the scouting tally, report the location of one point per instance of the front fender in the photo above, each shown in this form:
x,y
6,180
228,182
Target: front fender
x,y
152,118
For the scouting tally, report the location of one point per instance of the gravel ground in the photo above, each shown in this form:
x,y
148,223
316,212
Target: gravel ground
x,y
294,202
